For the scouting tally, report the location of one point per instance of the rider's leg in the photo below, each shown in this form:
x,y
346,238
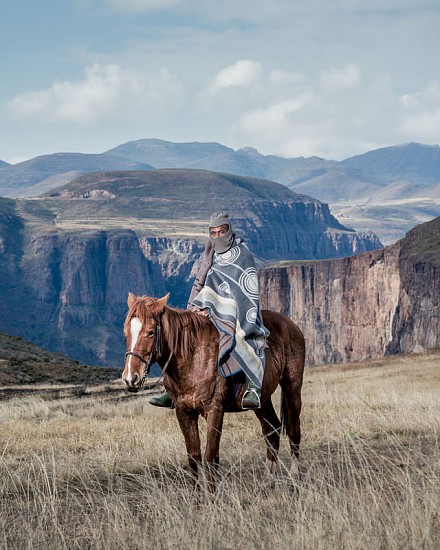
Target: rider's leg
x,y
163,400
252,396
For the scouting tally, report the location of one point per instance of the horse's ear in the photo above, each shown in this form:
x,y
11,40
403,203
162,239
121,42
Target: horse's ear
x,y
160,303
131,299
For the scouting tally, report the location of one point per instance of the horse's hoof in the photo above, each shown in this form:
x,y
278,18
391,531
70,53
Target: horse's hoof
x,y
272,466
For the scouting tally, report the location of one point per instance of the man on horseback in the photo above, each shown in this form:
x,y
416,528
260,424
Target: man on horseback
x,y
226,290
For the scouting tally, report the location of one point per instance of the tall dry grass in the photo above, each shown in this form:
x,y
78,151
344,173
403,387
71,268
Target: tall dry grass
x,y
108,471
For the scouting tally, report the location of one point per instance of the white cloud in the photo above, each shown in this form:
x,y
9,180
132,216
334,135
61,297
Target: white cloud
x,y
242,73
277,114
422,114
340,112
245,85
106,92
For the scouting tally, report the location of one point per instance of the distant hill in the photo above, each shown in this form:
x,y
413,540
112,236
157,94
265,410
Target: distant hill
x,y
413,162
163,194
24,363
35,176
388,191
172,202
218,158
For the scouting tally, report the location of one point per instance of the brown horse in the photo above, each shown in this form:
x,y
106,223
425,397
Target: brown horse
x,y
185,344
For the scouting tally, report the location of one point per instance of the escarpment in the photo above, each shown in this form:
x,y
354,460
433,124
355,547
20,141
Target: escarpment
x,y
364,306
69,258
76,288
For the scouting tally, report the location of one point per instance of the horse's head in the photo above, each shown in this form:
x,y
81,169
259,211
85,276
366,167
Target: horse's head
x,y
142,333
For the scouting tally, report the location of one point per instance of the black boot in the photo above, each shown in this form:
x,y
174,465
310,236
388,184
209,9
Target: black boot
x,y
163,400
251,397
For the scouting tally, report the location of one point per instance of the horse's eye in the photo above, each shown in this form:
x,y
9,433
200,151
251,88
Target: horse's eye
x,y
150,333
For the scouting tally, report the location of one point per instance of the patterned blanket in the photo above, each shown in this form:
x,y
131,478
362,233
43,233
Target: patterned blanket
x,y
227,285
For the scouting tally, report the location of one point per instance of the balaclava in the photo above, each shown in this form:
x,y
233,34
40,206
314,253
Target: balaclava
x,y
224,243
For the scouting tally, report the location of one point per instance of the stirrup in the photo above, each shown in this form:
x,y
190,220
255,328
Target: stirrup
x,y
251,399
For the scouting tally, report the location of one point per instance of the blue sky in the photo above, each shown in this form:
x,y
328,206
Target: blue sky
x,y
331,78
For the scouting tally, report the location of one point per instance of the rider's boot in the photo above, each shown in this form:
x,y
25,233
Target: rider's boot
x,y
163,400
252,396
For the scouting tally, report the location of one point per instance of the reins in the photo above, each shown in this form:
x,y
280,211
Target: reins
x,y
155,384
156,350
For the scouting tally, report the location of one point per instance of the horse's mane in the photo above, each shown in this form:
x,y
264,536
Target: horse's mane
x,y
182,329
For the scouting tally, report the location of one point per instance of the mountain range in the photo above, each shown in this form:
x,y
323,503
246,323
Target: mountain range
x,y
387,190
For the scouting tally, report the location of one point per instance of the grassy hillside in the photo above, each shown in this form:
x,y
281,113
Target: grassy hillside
x,y
422,244
164,197
24,363
178,184
110,472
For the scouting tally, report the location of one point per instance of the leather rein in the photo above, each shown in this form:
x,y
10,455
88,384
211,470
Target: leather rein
x,y
155,351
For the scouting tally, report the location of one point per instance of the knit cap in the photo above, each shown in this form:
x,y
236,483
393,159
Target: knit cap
x,y
220,218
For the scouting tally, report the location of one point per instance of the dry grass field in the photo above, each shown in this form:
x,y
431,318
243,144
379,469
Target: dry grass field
x,y
103,469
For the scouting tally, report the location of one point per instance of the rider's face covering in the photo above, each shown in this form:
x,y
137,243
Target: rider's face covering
x,y
223,241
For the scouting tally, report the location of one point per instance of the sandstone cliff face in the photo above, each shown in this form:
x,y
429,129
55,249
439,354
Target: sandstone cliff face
x,y
300,230
368,305
78,284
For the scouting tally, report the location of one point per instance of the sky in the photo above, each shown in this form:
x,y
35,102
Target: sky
x,y
331,78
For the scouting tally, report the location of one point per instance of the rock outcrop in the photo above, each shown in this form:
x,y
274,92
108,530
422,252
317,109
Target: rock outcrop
x,y
77,285
368,305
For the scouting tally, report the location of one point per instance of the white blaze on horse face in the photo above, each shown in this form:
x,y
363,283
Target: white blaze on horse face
x,y
135,330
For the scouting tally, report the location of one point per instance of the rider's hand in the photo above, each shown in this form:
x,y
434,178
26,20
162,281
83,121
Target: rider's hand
x,y
203,312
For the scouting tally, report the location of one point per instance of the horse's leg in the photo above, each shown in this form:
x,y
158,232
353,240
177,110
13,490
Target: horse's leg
x,y
214,421
290,413
189,425
271,427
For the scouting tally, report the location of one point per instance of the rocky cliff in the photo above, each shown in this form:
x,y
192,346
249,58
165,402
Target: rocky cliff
x,y
368,305
68,260
73,288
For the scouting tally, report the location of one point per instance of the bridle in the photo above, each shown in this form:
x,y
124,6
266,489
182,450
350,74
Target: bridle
x,y
156,351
